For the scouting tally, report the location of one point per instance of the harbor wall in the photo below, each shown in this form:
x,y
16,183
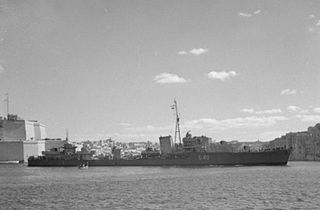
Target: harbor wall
x,y
11,150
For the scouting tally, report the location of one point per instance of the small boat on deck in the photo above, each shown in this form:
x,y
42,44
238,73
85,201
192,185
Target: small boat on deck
x,y
83,165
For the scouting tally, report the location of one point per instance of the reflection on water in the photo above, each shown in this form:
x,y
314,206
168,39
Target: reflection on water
x,y
285,187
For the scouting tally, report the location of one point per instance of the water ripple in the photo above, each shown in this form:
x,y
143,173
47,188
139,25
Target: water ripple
x,y
293,187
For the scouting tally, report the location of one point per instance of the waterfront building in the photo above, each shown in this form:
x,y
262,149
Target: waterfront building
x,y
15,128
20,139
305,145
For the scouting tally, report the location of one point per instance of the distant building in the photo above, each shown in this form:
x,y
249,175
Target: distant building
x,y
20,138
14,128
305,145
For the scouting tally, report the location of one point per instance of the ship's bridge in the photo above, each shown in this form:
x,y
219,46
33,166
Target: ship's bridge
x,y
196,143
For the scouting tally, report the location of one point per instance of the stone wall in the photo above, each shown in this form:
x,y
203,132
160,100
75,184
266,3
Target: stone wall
x,y
305,145
11,151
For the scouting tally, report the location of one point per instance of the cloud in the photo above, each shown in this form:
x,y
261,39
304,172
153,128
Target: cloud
x,y
1,68
242,14
165,78
317,109
309,118
198,51
182,52
211,124
314,24
194,51
257,12
293,108
245,122
288,92
268,111
222,75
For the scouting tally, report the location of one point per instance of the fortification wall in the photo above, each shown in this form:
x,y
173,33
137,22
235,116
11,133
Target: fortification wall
x,y
30,135
11,150
12,130
33,148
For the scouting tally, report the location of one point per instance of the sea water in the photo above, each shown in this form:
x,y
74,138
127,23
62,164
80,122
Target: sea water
x,y
295,186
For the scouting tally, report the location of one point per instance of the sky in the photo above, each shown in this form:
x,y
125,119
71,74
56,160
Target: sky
x,y
239,70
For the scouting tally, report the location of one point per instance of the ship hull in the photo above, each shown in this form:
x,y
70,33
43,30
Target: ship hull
x,y
277,157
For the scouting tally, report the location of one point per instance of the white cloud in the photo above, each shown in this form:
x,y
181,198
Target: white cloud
x,y
213,124
318,23
257,12
244,14
209,124
164,78
182,52
293,108
246,122
288,92
198,51
222,75
268,111
194,51
317,109
309,118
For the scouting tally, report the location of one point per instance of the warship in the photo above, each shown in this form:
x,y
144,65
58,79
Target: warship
x,y
193,151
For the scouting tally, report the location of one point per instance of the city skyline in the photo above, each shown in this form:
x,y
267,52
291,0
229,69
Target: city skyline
x,y
242,71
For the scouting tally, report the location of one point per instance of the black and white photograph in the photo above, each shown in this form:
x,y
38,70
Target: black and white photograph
x,y
159,104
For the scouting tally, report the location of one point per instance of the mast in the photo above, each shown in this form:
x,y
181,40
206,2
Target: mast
x,y
177,129
67,135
